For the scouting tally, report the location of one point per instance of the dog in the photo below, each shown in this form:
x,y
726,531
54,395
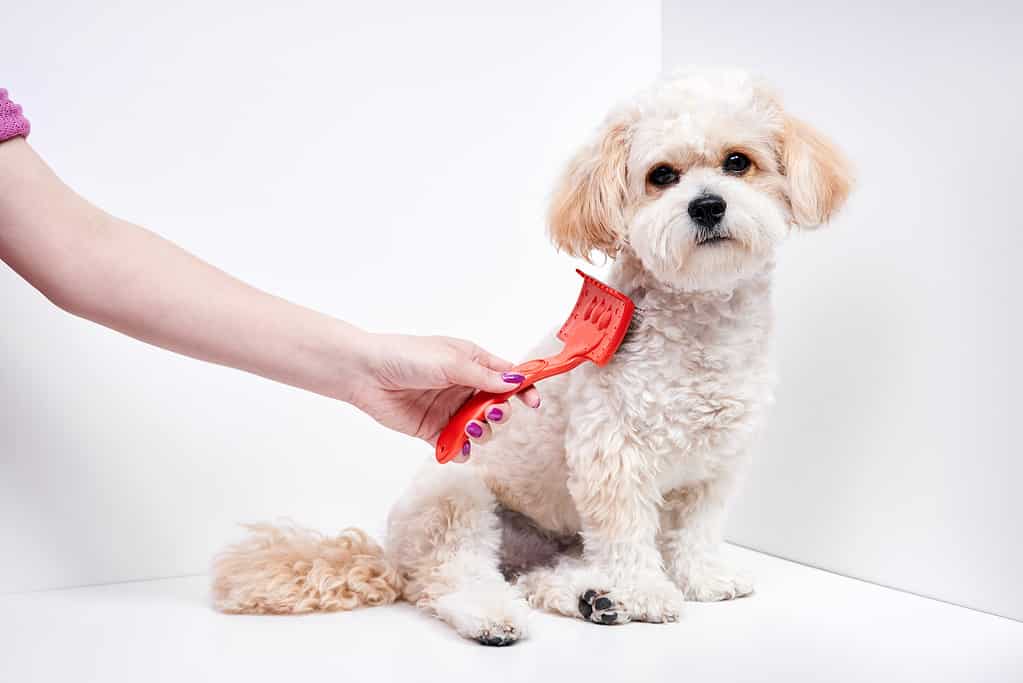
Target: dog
x,y
606,505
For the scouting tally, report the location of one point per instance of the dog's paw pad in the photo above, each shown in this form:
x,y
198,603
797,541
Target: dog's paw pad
x,y
597,607
499,635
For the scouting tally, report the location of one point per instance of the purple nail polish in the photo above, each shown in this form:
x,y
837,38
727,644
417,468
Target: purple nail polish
x,y
538,402
474,430
495,414
466,448
513,378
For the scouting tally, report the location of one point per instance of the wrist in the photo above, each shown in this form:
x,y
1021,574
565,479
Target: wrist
x,y
353,362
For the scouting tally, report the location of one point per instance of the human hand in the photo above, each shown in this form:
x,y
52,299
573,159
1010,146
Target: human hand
x,y
415,384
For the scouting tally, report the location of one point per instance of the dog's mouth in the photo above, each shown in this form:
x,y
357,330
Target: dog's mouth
x,y
712,238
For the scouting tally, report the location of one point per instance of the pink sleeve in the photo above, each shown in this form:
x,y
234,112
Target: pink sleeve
x,y
12,123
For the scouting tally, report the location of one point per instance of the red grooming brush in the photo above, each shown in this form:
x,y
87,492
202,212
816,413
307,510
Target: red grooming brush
x,y
593,331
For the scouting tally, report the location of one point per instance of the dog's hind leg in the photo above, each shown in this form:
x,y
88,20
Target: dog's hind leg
x,y
445,536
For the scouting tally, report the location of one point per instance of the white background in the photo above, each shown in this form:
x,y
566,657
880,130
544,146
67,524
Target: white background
x,y
388,163
390,166
891,454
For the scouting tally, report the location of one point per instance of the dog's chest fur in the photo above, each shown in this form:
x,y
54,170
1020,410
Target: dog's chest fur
x,y
689,384
683,395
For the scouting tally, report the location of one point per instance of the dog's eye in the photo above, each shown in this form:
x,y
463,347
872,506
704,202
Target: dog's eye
x,y
662,176
736,163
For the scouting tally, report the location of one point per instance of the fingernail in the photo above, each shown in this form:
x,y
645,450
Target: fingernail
x,y
474,430
466,448
513,378
538,402
495,414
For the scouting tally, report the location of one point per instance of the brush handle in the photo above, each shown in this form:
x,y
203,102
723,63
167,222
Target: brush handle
x,y
453,437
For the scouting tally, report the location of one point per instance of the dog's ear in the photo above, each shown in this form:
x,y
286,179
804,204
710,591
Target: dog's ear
x,y
819,176
587,210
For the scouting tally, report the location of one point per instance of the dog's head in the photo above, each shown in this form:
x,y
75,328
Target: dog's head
x,y
700,177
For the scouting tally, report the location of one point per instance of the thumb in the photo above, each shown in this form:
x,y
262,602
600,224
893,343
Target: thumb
x,y
473,373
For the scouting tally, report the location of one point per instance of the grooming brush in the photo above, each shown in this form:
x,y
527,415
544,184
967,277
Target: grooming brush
x,y
593,331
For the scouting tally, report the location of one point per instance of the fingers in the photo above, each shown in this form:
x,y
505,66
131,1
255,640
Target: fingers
x,y
480,431
464,455
498,413
489,360
472,373
473,367
477,368
487,372
531,397
498,383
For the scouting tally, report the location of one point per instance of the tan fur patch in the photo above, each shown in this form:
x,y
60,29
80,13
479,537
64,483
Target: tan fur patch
x,y
819,176
586,210
287,570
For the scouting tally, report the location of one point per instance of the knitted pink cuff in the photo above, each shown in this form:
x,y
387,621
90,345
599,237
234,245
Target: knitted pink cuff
x,y
12,123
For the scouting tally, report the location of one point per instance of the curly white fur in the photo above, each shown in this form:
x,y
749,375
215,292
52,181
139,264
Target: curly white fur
x,y
608,503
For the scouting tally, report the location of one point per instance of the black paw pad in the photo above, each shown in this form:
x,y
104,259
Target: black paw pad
x,y
600,609
498,636
495,641
585,608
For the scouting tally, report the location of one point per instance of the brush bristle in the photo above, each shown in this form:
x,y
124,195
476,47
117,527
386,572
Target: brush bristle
x,y
595,295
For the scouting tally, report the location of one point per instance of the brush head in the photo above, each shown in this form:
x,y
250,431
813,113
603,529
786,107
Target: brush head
x,y
598,322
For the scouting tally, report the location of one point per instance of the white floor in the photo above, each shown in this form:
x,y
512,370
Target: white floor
x,y
801,625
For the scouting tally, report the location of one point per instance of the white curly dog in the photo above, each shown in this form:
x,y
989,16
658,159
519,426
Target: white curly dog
x,y
607,504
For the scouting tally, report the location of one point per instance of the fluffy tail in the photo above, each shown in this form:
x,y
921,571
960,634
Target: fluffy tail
x,y
290,570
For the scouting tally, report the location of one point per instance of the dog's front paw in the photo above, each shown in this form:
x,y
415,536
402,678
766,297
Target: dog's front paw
x,y
713,582
601,608
654,599
651,599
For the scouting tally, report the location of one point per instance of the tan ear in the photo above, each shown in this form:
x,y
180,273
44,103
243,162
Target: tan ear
x,y
819,176
586,213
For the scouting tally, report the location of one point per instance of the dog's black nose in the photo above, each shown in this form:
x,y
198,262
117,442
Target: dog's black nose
x,y
707,211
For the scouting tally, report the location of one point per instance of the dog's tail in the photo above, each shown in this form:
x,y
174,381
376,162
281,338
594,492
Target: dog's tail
x,y
290,570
